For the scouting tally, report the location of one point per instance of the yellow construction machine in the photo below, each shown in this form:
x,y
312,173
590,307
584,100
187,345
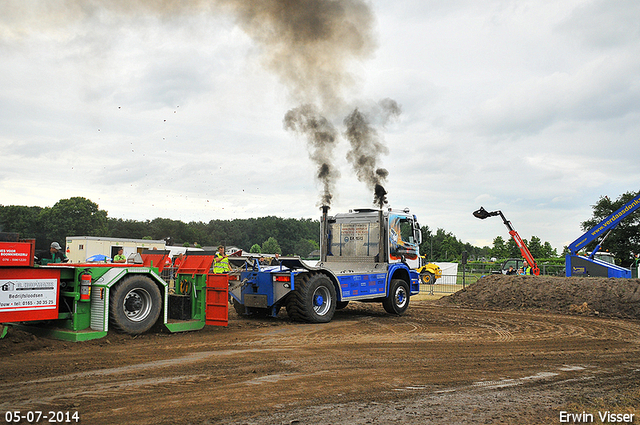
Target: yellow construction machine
x,y
429,272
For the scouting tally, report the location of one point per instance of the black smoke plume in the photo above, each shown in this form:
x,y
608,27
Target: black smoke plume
x,y
309,44
367,146
321,139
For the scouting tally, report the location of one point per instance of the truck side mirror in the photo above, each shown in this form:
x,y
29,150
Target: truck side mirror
x,y
417,233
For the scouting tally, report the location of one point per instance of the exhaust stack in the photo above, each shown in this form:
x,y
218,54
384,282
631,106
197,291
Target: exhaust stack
x,y
324,234
382,255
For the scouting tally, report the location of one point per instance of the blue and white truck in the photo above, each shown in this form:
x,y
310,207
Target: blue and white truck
x,y
367,255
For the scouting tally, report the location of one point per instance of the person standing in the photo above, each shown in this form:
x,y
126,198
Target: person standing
x,y
221,261
178,261
526,268
176,264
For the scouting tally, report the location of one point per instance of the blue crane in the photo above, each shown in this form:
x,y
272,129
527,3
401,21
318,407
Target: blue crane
x,y
576,265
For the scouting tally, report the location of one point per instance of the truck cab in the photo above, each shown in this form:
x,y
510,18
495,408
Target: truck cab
x,y
358,235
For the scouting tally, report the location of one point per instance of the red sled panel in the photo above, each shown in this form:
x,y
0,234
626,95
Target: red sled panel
x,y
217,310
17,253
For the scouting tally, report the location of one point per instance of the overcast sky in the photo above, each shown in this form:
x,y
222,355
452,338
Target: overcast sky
x,y
528,107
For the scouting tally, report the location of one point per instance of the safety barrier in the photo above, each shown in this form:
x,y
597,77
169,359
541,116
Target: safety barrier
x,y
449,284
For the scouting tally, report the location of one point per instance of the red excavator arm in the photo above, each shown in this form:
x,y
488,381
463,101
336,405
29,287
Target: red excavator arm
x,y
526,254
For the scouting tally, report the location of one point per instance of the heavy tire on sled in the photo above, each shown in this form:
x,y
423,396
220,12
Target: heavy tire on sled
x,y
313,300
134,305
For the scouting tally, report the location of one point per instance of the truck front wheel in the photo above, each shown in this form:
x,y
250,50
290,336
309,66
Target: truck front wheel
x,y
314,300
397,301
134,305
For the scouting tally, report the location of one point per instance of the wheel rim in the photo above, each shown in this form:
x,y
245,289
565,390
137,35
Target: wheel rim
x,y
137,304
427,278
401,297
321,301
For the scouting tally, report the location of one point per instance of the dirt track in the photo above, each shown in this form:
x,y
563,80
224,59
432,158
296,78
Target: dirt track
x,y
437,364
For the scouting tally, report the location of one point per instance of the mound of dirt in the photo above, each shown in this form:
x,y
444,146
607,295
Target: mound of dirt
x,y
589,296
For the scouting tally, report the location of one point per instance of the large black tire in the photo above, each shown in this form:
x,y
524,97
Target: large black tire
x,y
134,305
427,278
397,301
313,300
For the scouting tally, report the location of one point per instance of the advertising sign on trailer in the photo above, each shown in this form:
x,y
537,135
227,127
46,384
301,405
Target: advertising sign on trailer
x,y
27,294
16,254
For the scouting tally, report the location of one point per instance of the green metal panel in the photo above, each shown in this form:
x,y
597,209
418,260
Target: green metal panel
x,y
186,325
63,334
193,285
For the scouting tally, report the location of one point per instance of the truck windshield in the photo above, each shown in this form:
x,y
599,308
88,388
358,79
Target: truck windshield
x,y
607,257
402,243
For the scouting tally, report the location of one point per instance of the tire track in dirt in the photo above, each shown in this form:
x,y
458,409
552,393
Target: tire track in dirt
x,y
528,325
117,380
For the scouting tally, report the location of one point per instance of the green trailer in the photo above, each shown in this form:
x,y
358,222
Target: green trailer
x,y
79,302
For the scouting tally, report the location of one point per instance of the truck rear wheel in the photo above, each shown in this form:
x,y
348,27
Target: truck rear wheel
x,y
314,299
134,305
397,301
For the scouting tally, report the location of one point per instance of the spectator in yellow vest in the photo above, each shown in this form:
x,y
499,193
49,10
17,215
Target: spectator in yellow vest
x,y
221,261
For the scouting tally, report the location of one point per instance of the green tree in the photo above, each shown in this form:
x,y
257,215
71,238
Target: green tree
x,y
535,247
499,250
624,240
74,217
549,251
426,247
271,246
26,221
305,246
179,231
127,229
513,251
255,249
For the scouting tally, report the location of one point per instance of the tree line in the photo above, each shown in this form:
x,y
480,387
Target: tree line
x,y
286,236
445,246
81,217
